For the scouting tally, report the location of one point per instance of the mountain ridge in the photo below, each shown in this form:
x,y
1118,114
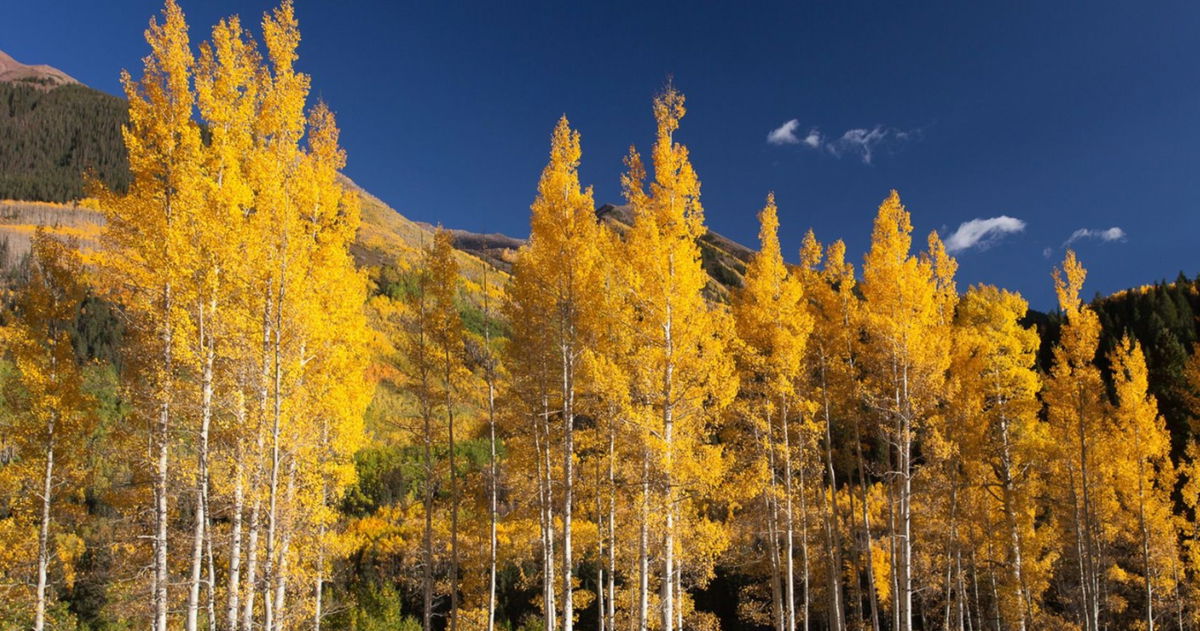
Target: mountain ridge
x,y
41,75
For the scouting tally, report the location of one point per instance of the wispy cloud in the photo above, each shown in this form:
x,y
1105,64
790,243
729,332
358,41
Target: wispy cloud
x,y
982,233
785,134
1112,234
861,142
864,143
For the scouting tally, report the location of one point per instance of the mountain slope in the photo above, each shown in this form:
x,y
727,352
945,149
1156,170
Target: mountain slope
x,y
52,130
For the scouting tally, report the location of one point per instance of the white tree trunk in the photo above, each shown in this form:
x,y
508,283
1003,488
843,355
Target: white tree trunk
x,y
568,400
201,518
43,561
235,538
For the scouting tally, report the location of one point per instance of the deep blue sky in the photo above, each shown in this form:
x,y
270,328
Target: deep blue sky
x,y
1065,117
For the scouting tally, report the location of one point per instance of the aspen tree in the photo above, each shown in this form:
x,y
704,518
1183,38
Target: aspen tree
x,y
333,394
681,364
563,262
491,366
774,325
149,249
837,321
825,368
226,95
433,348
531,366
55,413
419,352
604,367
905,308
1004,440
1077,411
1145,476
447,335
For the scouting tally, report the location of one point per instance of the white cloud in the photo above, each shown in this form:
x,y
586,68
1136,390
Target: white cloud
x,y
861,142
1046,252
982,233
813,139
785,134
1112,234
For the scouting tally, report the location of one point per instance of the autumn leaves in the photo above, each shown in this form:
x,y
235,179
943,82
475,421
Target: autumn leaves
x,y
870,452
230,254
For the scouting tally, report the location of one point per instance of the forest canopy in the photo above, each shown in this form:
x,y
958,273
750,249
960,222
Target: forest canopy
x,y
217,420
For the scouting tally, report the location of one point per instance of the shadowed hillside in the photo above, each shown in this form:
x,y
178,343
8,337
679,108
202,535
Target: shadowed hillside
x,y
53,130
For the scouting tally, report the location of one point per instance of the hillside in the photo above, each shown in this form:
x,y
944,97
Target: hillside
x,y
53,129
50,135
19,220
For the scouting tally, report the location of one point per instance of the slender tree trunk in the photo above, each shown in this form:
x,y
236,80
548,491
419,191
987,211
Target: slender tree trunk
x,y
201,519
252,565
949,553
643,545
235,538
668,392
568,399
210,583
856,614
771,516
427,533
493,478
271,575
454,562
612,528
963,623
252,542
493,510
789,528
319,579
894,545
806,576
161,474
1091,595
1145,532
1084,581
601,597
43,562
833,544
906,508
548,582
1014,533
869,562
282,575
